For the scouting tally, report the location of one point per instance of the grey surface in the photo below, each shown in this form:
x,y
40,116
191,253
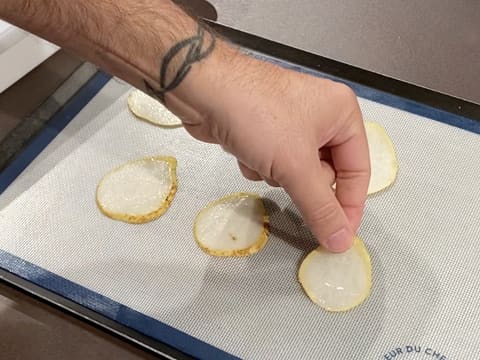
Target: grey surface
x,y
31,330
32,124
431,43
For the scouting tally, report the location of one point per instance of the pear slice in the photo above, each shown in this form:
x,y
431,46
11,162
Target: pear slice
x,y
149,109
236,225
383,160
138,191
337,281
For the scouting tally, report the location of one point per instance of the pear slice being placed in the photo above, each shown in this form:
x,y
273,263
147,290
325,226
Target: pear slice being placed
x,y
337,281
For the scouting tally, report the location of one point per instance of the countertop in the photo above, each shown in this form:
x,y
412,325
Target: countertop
x,y
430,43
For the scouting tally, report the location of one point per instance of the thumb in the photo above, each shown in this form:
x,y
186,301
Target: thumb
x,y
311,191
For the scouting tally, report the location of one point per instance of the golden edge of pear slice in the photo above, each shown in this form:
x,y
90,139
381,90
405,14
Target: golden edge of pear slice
x,y
381,130
360,247
138,115
254,248
141,219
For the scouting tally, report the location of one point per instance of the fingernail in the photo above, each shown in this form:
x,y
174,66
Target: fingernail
x,y
339,241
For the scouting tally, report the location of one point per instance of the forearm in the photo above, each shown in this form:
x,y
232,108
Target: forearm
x,y
135,40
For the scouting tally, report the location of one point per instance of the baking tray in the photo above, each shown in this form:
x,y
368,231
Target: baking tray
x,y
440,110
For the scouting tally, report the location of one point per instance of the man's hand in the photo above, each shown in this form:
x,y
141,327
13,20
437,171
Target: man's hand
x,y
289,129
292,130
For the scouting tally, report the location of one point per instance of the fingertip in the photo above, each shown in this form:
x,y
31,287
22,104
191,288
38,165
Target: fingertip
x,y
339,241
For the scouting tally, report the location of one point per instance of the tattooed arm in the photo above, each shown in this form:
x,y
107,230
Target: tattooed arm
x,y
128,38
286,128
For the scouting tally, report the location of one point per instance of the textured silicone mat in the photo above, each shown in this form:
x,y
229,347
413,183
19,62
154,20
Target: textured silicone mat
x,y
423,235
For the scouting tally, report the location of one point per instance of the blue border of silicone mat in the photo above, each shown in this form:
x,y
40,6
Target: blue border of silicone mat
x,y
54,126
118,312
111,309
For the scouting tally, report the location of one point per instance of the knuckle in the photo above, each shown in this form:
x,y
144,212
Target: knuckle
x,y
324,213
346,96
353,175
285,167
350,106
345,92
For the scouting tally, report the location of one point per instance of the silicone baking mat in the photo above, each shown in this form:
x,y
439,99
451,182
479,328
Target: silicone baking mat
x,y
423,235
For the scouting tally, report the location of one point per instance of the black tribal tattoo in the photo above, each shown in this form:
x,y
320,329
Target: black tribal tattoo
x,y
195,54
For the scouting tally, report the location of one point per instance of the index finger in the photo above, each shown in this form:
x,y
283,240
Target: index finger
x,y
351,160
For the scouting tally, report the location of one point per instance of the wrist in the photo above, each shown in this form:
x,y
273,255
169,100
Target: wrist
x,y
222,81
197,98
208,76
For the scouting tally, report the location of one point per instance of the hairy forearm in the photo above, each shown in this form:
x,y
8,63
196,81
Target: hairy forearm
x,y
152,44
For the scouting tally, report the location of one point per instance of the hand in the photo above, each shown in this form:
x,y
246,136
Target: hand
x,y
292,130
296,131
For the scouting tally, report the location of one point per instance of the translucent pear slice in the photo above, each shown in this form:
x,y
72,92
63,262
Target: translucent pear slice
x,y
383,160
138,191
149,109
337,281
236,225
